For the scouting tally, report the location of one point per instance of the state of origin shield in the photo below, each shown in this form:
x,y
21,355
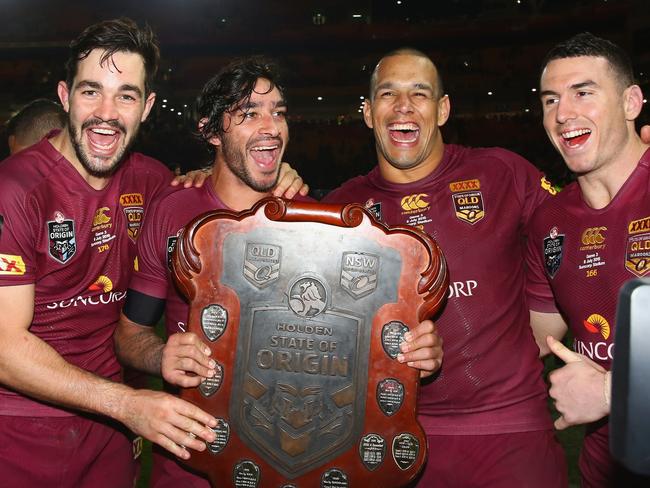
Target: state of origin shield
x,y
304,306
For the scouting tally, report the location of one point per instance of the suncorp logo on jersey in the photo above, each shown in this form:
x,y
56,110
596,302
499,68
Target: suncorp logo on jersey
x,y
103,284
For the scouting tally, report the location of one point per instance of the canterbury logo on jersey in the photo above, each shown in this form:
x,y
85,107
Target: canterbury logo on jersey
x,y
11,265
415,202
593,236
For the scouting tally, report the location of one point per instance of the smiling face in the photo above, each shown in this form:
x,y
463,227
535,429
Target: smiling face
x,y
105,106
254,138
588,114
405,114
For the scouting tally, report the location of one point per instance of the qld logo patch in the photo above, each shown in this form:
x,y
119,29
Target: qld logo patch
x,y
637,252
262,264
552,251
63,242
468,200
133,206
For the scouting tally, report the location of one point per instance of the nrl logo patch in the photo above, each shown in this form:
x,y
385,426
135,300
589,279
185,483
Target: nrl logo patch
x,y
637,250
262,264
552,250
359,273
374,208
63,242
469,206
133,206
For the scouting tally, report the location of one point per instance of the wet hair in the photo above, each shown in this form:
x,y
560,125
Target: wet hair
x,y
586,44
407,51
113,36
231,89
35,120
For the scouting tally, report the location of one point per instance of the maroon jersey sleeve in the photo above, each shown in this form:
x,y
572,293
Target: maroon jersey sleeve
x,y
538,289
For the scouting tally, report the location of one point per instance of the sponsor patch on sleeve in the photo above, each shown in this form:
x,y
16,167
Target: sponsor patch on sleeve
x,y
11,265
548,186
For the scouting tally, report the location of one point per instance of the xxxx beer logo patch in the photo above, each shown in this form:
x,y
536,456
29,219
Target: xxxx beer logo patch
x,y
468,200
637,253
62,238
552,250
11,265
133,206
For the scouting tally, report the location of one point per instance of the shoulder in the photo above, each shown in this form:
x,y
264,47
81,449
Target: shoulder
x,y
24,172
499,155
348,190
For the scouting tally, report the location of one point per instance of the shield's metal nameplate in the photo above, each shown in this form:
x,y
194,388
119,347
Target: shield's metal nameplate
x,y
305,307
405,450
359,273
372,450
262,263
390,395
214,320
392,335
222,433
246,475
334,478
209,386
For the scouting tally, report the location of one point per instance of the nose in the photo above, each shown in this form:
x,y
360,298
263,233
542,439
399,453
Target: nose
x,y
565,110
270,125
403,103
106,109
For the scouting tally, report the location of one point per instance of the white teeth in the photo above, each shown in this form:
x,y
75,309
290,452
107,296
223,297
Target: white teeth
x,y
106,132
575,133
264,148
403,127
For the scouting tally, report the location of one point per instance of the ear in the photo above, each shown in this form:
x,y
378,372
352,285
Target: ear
x,y
632,102
367,113
444,108
64,95
214,140
148,105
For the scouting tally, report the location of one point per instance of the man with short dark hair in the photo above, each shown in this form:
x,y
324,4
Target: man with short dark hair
x,y
33,122
592,238
485,413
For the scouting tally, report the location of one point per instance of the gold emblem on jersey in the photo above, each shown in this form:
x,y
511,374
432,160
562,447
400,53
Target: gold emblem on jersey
x,y
133,206
415,202
548,186
468,200
11,265
101,219
597,324
102,283
593,238
637,252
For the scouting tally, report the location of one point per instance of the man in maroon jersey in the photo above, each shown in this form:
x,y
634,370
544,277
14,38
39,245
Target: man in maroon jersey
x,y
242,116
485,413
71,209
590,239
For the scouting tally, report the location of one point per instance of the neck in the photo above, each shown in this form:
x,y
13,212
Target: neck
x,y
232,191
601,186
62,142
416,173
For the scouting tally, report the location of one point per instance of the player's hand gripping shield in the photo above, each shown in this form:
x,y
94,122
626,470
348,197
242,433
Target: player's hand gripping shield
x,y
304,306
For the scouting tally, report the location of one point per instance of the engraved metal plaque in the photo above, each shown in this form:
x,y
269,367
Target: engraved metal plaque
x,y
390,395
214,319
372,450
406,449
246,474
392,335
334,478
209,386
222,433
298,296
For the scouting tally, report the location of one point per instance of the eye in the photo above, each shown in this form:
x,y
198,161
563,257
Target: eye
x,y
583,94
386,94
250,115
550,100
127,98
89,93
420,95
280,114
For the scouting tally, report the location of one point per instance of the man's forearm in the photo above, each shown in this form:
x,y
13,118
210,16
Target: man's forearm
x,y
138,347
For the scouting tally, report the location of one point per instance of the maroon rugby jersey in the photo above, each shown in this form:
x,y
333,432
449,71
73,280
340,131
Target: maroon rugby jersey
x,y
579,258
476,204
76,245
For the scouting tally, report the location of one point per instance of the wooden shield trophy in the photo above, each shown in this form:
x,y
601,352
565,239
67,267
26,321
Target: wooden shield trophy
x,y
304,306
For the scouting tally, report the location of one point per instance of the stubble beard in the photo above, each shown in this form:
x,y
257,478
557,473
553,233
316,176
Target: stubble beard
x,y
236,162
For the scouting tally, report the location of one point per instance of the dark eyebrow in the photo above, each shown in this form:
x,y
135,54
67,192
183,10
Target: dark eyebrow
x,y
574,87
97,86
249,105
